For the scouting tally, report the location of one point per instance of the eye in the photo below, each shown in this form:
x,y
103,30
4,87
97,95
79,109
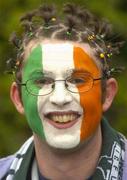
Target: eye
x,y
76,80
44,81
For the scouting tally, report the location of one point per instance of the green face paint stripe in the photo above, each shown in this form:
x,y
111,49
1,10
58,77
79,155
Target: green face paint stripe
x,y
33,62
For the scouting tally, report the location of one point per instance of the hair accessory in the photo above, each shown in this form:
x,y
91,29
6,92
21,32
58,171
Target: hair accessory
x,y
48,24
68,33
109,55
108,46
30,34
102,55
53,19
91,37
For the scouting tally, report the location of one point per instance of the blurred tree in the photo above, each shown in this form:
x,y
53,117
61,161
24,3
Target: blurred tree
x,y
14,129
122,5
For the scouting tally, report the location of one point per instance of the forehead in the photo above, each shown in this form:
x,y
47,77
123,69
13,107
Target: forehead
x,y
57,56
62,56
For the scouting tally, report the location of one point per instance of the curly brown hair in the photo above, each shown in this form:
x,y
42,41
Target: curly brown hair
x,y
76,24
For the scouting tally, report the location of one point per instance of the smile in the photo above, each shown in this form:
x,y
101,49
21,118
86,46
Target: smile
x,y
62,119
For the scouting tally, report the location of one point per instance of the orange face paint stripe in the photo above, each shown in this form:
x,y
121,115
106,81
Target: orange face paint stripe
x,y
91,100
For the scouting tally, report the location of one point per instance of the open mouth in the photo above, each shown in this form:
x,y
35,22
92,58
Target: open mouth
x,y
62,119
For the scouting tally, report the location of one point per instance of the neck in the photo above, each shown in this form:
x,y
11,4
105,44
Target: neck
x,y
68,164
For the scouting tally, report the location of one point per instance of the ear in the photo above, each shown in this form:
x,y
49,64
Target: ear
x,y
111,90
16,97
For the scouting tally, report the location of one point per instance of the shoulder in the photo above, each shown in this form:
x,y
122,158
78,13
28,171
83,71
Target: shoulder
x,y
125,162
10,165
5,165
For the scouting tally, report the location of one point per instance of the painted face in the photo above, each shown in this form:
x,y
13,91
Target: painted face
x,y
62,118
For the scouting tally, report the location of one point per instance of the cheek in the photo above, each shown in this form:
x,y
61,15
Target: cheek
x,y
92,108
40,104
91,100
31,110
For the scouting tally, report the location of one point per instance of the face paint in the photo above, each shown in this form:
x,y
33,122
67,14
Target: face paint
x,y
91,100
32,65
58,59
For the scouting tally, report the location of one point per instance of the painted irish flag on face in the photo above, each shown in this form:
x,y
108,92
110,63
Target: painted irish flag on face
x,y
62,117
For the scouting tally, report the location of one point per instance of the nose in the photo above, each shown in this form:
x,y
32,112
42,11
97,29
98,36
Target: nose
x,y
60,96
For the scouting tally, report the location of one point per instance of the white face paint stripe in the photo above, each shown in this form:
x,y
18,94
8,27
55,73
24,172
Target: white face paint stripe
x,y
58,58
59,54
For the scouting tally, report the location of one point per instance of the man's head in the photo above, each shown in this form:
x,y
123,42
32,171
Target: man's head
x,y
62,71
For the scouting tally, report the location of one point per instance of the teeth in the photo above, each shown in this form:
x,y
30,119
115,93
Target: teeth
x,y
63,118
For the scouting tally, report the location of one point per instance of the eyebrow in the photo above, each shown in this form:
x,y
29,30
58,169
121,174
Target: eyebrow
x,y
80,70
67,73
40,71
48,73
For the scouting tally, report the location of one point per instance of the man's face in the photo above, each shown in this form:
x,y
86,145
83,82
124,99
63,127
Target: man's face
x,y
63,118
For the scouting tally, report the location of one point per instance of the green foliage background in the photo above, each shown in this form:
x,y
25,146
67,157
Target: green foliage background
x,y
13,127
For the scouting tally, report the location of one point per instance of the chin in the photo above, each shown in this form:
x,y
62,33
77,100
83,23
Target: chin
x,y
67,138
63,141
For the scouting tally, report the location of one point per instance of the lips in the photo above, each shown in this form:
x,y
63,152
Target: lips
x,y
62,119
